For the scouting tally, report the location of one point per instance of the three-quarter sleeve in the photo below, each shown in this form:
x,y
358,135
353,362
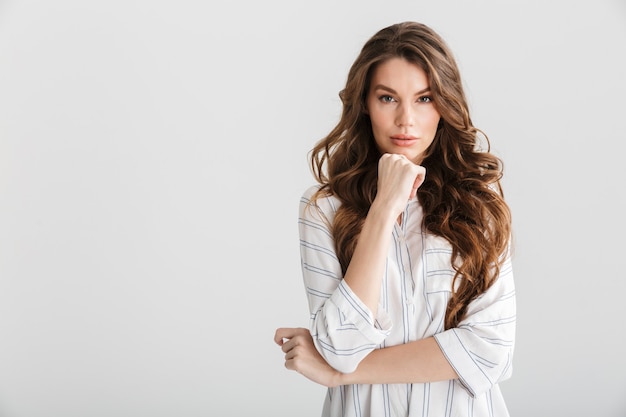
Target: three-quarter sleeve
x,y
342,326
480,348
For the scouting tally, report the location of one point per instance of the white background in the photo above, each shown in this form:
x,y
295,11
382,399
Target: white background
x,y
152,156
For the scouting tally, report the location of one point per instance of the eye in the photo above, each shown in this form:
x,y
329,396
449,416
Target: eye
x,y
386,99
425,99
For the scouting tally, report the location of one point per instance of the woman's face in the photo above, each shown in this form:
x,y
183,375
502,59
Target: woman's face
x,y
403,115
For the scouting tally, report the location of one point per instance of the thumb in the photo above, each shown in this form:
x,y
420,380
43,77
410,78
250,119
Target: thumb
x,y
419,180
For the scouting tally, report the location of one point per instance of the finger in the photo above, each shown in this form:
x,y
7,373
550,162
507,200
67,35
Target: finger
x,y
278,338
291,353
288,345
293,364
291,343
419,180
282,334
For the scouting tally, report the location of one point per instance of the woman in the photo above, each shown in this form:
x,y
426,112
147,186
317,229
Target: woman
x,y
405,244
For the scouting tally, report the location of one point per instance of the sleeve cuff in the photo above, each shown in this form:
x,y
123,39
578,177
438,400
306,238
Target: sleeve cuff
x,y
461,359
356,312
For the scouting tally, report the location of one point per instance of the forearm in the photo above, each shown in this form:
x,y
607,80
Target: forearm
x,y
367,265
414,362
344,327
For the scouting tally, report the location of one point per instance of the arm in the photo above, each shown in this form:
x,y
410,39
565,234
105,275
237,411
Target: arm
x,y
419,361
343,328
478,352
367,266
398,180
345,322
480,348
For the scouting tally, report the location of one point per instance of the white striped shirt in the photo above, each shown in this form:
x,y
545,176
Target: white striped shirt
x,y
414,295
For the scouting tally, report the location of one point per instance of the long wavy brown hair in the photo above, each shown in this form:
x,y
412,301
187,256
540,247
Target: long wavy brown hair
x,y
461,196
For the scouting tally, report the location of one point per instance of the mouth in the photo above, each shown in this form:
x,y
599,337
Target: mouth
x,y
403,140
404,137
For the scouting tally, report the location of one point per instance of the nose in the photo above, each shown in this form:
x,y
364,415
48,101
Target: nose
x,y
405,116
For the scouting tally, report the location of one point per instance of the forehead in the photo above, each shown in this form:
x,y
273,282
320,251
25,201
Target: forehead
x,y
398,73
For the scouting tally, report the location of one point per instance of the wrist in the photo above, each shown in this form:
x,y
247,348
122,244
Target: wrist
x,y
382,211
351,378
338,379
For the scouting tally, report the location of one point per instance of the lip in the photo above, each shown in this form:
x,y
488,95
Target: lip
x,y
403,140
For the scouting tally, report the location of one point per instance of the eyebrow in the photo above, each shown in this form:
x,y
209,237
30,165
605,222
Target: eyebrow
x,y
391,90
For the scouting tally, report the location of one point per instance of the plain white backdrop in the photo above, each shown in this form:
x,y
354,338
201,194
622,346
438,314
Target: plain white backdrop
x,y
152,156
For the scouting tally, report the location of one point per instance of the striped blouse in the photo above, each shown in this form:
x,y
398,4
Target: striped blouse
x,y
415,291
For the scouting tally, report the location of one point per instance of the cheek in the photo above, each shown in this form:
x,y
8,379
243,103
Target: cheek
x,y
434,121
378,121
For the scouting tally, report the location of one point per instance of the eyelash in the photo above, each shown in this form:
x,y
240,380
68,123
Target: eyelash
x,y
423,99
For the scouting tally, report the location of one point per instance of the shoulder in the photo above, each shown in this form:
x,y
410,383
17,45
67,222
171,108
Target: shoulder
x,y
326,204
307,195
